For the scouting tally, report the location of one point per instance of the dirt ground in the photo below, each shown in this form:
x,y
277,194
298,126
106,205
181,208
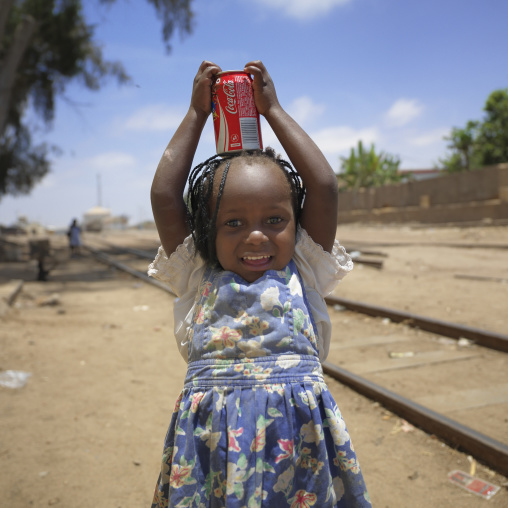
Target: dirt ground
x,y
86,430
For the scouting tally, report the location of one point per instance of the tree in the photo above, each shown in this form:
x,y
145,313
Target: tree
x,y
493,133
44,45
462,144
367,169
483,143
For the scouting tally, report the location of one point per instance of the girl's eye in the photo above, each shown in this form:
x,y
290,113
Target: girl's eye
x,y
234,223
274,220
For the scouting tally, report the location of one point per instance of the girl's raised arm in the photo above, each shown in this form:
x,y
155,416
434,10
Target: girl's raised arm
x,y
319,216
173,170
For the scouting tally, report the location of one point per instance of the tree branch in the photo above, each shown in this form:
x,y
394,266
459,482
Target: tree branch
x,y
22,37
5,9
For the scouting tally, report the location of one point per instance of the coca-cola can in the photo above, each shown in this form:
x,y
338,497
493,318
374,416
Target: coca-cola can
x,y
235,117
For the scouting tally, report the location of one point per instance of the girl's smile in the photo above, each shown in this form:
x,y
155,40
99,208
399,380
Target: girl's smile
x,y
243,338
255,222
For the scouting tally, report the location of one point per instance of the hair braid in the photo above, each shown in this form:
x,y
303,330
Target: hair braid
x,y
202,222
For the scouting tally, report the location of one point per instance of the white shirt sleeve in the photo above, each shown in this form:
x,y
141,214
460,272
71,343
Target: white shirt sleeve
x,y
182,271
321,271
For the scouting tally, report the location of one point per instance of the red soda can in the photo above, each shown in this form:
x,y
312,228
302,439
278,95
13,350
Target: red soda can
x,y
235,117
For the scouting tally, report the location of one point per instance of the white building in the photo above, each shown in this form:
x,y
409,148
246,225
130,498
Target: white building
x,y
94,219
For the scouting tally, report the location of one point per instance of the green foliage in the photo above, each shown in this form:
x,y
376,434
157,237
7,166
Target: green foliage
x,y
462,144
480,144
366,168
175,14
61,49
21,165
493,136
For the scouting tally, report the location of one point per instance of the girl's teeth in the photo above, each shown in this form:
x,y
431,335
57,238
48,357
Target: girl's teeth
x,y
256,257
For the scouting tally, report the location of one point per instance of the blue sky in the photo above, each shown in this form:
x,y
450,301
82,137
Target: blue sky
x,y
396,73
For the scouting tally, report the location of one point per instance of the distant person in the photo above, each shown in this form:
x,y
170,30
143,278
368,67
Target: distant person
x,y
255,424
74,235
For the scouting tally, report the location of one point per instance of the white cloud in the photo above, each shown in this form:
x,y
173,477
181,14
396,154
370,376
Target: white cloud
x,y
416,147
332,141
110,161
49,181
430,138
403,111
304,9
303,109
340,139
268,136
156,117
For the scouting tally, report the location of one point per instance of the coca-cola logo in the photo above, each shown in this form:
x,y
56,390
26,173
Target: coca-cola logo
x,y
229,91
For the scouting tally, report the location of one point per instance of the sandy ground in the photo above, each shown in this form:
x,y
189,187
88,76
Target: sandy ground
x,y
87,429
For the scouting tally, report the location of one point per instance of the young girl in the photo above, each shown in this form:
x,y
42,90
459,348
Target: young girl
x,y
255,424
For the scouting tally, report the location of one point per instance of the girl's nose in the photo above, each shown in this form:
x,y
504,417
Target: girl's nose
x,y
256,237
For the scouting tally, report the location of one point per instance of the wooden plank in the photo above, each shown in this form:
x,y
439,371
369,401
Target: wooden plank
x,y
374,340
481,337
466,399
419,359
484,448
10,290
480,277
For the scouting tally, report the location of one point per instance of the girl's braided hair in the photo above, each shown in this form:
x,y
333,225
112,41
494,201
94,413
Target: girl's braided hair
x,y
202,220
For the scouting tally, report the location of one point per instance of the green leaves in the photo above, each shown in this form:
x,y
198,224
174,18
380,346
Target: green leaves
x,y
366,168
492,139
263,467
463,146
37,65
298,320
285,341
480,144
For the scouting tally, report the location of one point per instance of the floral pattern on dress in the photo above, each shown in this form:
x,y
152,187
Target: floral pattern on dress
x,y
255,424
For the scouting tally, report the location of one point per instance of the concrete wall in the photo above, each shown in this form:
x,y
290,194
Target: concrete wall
x,y
468,196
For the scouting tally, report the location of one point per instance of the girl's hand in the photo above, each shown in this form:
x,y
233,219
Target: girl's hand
x,y
201,99
264,89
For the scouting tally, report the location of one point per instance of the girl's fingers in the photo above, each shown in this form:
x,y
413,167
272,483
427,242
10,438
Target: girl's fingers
x,y
258,64
201,92
261,77
207,70
206,64
212,69
256,71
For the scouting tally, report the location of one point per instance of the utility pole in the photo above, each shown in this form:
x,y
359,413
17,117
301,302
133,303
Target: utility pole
x,y
99,191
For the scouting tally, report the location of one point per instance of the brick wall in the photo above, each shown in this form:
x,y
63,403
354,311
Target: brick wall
x,y
468,196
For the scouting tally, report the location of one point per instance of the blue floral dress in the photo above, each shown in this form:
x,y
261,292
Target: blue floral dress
x,y
255,424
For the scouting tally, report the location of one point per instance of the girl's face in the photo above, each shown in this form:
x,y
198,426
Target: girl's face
x,y
255,223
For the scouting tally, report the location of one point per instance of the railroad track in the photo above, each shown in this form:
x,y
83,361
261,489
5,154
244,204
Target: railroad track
x,y
449,380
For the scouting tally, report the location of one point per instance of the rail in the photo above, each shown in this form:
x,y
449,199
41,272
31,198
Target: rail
x,y
489,451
